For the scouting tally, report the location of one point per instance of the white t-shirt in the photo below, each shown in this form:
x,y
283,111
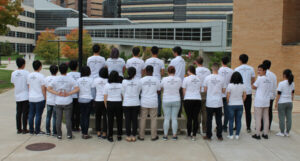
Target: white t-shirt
x,y
95,63
138,64
179,65
75,76
226,73
157,65
19,79
192,85
215,84
171,86
202,73
50,97
247,73
115,65
262,95
236,94
113,92
36,81
63,84
286,91
150,86
85,87
99,84
131,90
273,79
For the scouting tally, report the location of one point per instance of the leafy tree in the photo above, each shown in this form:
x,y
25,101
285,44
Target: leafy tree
x,y
9,12
146,53
217,57
166,54
104,51
6,48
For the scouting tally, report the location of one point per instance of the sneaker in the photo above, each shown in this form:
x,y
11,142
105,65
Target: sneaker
x,y
48,133
220,138
59,137
119,138
280,134
54,134
110,139
237,137
286,134
25,131
104,137
19,132
154,139
193,138
248,130
69,137
174,138
140,139
265,136
31,133
41,133
165,138
206,138
230,137
257,137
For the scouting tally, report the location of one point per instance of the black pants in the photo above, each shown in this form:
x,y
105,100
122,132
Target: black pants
x,y
131,119
85,111
22,115
218,114
247,105
114,109
192,109
181,102
101,113
75,114
270,116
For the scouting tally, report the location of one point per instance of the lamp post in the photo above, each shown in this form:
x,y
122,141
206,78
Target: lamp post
x,y
80,4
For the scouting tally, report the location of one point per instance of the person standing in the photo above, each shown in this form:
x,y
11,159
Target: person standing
x,y
263,87
51,103
19,79
202,72
136,62
214,86
226,73
192,101
75,109
248,75
63,87
131,90
115,63
158,71
284,102
37,94
150,89
96,62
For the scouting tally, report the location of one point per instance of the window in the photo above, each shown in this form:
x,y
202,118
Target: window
x,y
206,34
196,34
99,33
30,36
126,33
112,33
143,33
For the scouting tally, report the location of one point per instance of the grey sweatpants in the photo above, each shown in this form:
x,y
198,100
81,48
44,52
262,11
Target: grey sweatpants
x,y
59,115
285,116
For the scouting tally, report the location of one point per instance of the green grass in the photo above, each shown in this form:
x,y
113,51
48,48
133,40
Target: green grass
x,y
3,65
12,57
5,80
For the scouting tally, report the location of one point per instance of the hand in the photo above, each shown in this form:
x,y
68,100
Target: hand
x,y
276,107
61,94
66,94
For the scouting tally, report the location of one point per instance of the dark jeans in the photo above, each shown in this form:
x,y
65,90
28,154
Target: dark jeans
x,y
67,109
247,105
235,114
75,114
181,102
35,112
85,111
22,115
192,109
159,104
101,113
270,116
218,114
131,119
51,114
226,114
114,109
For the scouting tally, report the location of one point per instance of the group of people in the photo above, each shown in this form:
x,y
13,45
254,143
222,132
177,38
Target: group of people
x,y
101,87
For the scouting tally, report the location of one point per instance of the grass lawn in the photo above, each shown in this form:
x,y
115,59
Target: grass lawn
x,y
5,80
12,57
3,65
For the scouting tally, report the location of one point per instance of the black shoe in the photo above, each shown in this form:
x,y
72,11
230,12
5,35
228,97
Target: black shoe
x,y
40,133
256,137
69,137
174,138
25,131
248,130
119,138
154,139
19,131
159,115
220,138
86,136
110,139
265,136
141,139
225,130
206,138
165,138
59,137
104,137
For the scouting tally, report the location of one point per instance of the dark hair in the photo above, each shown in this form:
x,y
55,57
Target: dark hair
x,y
114,77
225,60
262,66
114,54
149,69
96,48
36,64
171,70
63,68
267,63
289,75
236,78
85,71
192,69
199,60
53,69
20,62
154,50
136,51
244,58
103,73
73,64
215,66
177,49
131,73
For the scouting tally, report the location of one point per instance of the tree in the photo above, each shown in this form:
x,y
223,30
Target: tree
x,y
44,49
104,51
217,57
6,48
166,54
9,12
70,49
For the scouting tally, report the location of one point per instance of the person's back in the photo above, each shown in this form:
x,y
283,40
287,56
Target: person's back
x,y
214,84
157,64
63,84
138,64
202,73
247,73
150,86
99,84
236,93
36,81
131,92
192,85
115,64
178,62
262,95
19,79
50,96
95,62
286,90
225,73
171,86
85,88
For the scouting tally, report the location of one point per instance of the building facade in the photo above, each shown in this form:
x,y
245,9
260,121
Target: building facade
x,y
155,11
270,31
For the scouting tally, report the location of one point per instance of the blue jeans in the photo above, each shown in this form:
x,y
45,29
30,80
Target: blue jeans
x,y
226,114
51,113
235,114
171,110
159,104
35,111
85,110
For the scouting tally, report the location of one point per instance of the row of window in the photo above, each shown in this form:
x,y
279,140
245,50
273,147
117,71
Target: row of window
x,y
21,48
28,14
26,24
20,34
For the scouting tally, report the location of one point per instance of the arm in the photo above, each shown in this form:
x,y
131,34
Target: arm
x,y
124,69
183,92
105,100
162,72
252,80
75,90
244,96
228,96
277,99
223,90
205,89
50,89
44,91
254,87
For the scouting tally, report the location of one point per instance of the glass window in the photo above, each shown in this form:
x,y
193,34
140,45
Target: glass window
x,y
206,34
179,34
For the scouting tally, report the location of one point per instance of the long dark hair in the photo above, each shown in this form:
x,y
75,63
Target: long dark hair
x,y
236,78
289,75
114,53
131,73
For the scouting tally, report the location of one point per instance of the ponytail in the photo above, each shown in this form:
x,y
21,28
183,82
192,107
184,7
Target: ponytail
x,y
131,73
291,79
288,74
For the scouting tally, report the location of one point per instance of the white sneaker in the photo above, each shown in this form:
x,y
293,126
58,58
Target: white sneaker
x,y
286,134
237,137
280,134
230,137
